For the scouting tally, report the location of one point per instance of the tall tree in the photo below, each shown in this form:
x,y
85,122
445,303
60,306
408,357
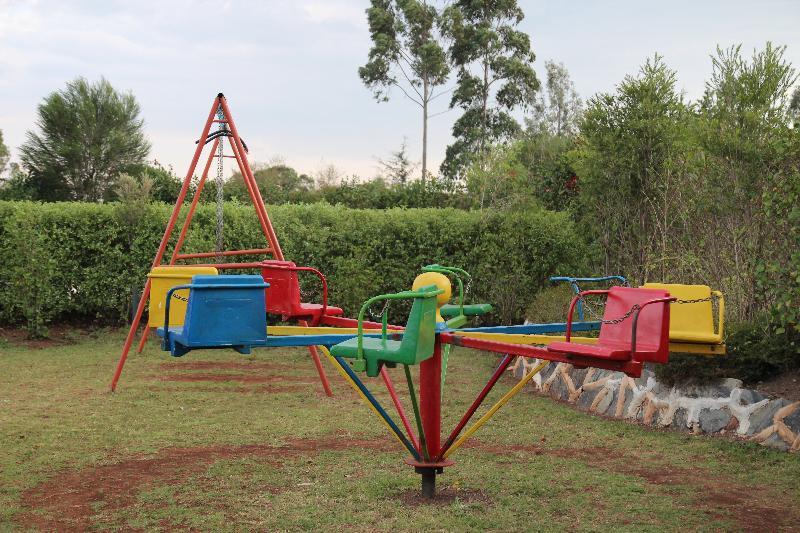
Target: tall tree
x,y
744,133
495,77
89,135
630,165
3,154
406,53
559,109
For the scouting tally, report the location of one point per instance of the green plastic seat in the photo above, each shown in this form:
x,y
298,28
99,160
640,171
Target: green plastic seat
x,y
415,346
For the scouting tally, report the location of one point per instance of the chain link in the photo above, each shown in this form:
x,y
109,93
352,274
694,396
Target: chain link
x,y
697,300
379,316
179,297
592,312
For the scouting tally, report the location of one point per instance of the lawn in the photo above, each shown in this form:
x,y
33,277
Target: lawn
x,y
220,441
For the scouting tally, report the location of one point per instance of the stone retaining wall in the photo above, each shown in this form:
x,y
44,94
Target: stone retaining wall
x,y
722,408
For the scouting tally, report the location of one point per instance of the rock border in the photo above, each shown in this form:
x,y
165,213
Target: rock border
x,y
718,409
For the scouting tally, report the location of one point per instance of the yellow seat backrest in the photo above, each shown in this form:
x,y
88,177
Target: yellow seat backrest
x,y
162,279
690,322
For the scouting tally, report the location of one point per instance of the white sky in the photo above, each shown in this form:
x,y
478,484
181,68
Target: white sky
x,y
289,68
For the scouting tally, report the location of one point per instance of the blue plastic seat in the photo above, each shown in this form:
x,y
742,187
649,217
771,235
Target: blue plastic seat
x,y
227,311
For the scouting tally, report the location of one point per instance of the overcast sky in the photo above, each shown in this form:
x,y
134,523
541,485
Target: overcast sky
x,y
289,68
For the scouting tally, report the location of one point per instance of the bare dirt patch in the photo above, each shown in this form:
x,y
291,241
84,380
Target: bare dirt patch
x,y
57,336
239,378
444,496
68,500
786,385
232,365
265,389
751,507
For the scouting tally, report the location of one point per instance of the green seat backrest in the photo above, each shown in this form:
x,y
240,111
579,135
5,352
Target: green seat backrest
x,y
419,336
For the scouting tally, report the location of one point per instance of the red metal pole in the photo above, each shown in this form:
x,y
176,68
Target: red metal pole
x,y
399,406
184,229
193,205
250,251
164,240
261,214
478,401
430,396
317,363
273,238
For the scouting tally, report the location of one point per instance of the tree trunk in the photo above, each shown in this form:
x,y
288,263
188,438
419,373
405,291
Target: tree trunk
x,y
484,127
425,98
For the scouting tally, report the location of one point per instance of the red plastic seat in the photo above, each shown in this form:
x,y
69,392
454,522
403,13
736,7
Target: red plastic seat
x,y
641,337
283,295
621,353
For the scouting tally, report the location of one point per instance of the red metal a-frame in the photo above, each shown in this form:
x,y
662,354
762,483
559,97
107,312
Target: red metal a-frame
x,y
220,114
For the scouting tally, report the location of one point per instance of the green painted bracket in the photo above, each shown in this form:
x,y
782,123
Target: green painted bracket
x,y
450,310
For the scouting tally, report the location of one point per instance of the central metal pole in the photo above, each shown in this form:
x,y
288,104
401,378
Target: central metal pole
x,y
428,482
430,392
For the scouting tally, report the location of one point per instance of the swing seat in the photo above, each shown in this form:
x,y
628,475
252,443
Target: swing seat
x,y
415,346
284,293
224,311
641,337
693,322
162,279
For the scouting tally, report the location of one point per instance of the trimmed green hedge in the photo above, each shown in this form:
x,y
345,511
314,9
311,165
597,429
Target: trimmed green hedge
x,y
81,262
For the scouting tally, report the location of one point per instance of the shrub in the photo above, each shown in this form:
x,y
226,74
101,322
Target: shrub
x,y
78,261
756,352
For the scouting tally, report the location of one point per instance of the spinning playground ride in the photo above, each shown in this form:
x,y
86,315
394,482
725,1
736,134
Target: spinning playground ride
x,y
195,307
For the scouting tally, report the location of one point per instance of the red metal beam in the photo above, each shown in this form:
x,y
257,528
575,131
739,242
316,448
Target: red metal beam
x,y
399,406
632,368
254,251
247,172
477,403
163,246
430,399
343,322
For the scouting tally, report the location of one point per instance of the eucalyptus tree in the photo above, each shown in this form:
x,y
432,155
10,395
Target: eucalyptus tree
x,y
495,77
407,54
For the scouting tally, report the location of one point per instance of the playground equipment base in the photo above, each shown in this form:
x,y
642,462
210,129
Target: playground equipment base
x,y
428,471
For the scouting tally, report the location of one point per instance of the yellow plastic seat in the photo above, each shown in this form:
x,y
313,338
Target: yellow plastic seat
x,y
162,279
693,322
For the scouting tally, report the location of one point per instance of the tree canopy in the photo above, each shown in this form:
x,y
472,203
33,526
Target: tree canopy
x,y
406,53
495,76
89,134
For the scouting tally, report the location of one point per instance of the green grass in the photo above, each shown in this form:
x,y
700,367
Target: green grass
x,y
162,454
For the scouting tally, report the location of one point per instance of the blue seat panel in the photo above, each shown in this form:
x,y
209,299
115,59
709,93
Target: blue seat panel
x,y
227,311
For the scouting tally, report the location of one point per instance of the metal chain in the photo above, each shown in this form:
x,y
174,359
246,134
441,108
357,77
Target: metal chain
x,y
697,300
379,316
179,297
636,306
632,310
219,183
590,309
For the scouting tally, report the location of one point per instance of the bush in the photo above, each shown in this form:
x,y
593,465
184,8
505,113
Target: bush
x,y
756,352
78,261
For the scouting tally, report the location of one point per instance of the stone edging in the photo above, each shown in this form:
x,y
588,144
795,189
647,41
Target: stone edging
x,y
722,408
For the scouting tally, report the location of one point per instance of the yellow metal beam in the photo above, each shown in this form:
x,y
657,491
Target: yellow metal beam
x,y
321,330
543,340
511,338
347,378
